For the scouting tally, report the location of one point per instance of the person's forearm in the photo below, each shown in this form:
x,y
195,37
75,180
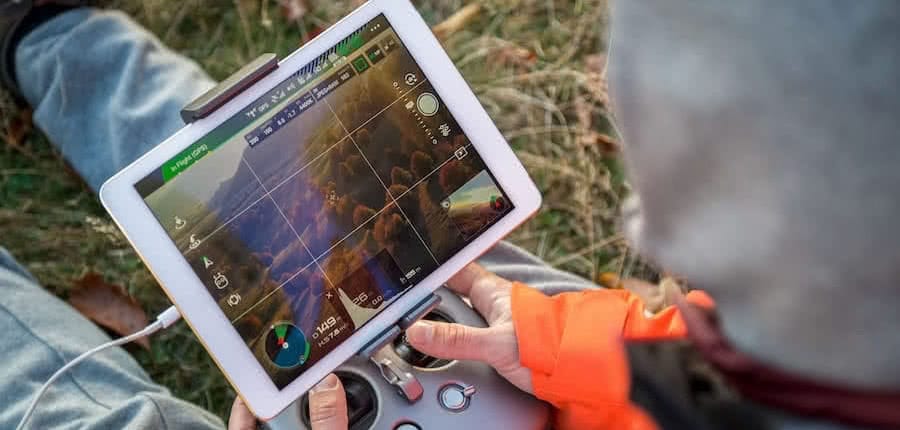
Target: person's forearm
x,y
572,343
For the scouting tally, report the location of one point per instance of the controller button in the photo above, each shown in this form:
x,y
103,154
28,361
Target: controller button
x,y
407,426
455,397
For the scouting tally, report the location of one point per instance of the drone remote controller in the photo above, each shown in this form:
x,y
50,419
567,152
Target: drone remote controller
x,y
391,386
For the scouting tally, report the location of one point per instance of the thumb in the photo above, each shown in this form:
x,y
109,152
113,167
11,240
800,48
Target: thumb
x,y
328,405
241,417
453,341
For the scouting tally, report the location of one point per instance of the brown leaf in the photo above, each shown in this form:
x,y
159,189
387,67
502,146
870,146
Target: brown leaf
x,y
457,21
16,129
109,306
515,55
606,143
312,33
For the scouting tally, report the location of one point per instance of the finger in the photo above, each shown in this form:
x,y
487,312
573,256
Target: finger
x,y
481,286
671,291
328,405
454,341
241,418
462,282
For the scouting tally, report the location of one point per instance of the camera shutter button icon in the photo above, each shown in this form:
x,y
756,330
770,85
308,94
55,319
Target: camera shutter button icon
x,y
220,280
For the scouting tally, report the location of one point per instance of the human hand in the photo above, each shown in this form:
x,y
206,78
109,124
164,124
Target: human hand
x,y
241,418
327,408
495,345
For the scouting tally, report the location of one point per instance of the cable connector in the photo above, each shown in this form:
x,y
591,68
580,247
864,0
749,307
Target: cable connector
x,y
163,321
168,317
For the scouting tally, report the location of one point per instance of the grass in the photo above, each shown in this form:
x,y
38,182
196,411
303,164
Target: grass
x,y
534,64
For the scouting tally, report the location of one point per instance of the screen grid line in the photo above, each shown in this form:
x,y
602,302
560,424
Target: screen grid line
x,y
304,167
347,236
394,199
288,221
374,172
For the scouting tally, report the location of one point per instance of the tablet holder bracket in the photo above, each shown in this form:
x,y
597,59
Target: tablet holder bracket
x,y
393,369
210,101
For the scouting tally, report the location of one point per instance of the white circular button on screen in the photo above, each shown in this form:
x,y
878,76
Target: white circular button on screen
x,y
407,426
427,104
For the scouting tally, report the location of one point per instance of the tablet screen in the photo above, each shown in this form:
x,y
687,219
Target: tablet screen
x,y
325,199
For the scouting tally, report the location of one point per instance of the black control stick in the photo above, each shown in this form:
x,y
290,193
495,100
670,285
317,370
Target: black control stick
x,y
362,405
415,357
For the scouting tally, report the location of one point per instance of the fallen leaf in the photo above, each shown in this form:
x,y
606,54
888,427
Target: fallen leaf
x,y
109,306
16,129
315,31
457,21
607,144
515,55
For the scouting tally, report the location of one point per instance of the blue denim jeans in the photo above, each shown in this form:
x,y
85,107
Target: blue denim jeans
x,y
105,91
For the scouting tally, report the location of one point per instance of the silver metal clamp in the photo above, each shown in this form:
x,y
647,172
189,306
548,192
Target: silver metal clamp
x,y
392,368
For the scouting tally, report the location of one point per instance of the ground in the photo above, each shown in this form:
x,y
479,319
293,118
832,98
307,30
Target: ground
x,y
534,64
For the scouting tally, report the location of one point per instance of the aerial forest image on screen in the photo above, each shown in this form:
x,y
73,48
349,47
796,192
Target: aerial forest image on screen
x,y
315,207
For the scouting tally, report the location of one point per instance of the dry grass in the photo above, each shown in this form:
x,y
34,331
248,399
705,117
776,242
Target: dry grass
x,y
534,64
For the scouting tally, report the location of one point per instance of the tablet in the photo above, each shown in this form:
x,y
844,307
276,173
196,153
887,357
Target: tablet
x,y
309,213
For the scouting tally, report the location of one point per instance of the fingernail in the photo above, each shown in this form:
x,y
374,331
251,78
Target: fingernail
x,y
329,383
421,332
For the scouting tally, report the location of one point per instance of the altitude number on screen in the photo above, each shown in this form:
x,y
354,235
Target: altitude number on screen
x,y
363,300
328,330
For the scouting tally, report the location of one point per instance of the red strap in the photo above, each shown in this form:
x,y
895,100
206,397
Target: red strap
x,y
792,393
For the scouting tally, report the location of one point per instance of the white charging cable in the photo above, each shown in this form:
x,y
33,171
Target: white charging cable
x,y
163,321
